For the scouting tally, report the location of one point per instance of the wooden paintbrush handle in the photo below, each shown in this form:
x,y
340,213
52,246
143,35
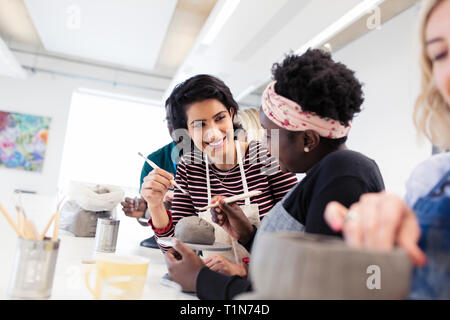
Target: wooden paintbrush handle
x,y
21,223
9,219
233,199
56,227
31,230
49,223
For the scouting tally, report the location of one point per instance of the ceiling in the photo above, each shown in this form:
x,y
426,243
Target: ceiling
x,y
25,25
130,32
164,38
388,10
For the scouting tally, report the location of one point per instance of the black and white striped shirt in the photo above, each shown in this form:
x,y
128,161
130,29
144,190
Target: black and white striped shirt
x,y
262,172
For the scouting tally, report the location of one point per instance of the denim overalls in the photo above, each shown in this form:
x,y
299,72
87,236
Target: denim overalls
x,y
433,212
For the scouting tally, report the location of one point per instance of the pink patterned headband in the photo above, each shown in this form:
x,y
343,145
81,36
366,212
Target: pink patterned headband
x,y
289,115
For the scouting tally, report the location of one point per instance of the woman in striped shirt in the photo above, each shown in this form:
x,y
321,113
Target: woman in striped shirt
x,y
202,110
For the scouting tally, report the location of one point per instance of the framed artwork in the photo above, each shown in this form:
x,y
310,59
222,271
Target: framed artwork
x,y
23,140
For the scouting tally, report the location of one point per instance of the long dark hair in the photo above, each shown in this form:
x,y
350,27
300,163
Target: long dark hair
x,y
197,89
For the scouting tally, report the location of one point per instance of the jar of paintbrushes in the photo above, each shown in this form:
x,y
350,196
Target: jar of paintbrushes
x,y
35,256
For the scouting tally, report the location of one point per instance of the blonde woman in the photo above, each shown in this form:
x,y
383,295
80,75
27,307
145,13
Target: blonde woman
x,y
420,223
249,120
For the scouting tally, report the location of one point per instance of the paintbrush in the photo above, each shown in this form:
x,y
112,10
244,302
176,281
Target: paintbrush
x,y
56,218
20,222
154,166
32,231
26,227
56,227
9,219
49,223
234,199
21,218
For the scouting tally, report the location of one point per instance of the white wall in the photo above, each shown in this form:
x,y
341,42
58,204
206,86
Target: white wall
x,y
40,95
49,95
386,62
104,135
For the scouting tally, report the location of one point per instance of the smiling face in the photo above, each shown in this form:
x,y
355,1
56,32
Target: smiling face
x,y
210,126
437,45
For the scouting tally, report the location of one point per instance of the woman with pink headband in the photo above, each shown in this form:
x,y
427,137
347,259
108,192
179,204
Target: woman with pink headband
x,y
307,113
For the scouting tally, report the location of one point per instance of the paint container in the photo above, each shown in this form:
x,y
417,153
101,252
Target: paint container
x,y
34,269
106,235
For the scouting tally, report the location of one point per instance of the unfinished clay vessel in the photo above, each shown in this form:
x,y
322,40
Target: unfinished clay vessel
x,y
195,230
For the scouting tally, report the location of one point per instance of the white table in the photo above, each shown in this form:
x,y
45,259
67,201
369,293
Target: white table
x,y
69,282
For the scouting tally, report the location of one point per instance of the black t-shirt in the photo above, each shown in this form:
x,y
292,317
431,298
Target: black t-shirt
x,y
341,176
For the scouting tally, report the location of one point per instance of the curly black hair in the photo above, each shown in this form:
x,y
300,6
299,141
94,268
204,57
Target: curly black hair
x,y
197,89
320,85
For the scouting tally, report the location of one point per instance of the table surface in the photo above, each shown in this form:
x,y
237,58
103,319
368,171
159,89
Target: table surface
x,y
69,282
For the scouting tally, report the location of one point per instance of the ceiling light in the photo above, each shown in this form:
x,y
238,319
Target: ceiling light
x,y
225,12
9,66
346,20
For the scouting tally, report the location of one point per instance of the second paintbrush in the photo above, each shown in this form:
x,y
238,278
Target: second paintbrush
x,y
154,166
233,199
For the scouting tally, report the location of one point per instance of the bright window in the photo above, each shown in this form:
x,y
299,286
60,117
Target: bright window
x,y
104,135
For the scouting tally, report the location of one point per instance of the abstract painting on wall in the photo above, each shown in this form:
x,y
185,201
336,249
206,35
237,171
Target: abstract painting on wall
x,y
23,140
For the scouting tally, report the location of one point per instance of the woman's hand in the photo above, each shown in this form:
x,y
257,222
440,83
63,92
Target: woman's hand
x,y
378,221
168,197
232,219
155,187
219,264
184,266
130,210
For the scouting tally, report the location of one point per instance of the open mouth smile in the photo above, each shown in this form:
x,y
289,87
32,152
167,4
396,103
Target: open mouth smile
x,y
218,144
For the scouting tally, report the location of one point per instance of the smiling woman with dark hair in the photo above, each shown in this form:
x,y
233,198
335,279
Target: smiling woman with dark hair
x,y
214,163
196,89
310,105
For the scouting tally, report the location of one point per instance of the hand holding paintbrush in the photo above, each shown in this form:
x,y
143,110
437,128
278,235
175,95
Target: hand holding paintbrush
x,y
154,166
